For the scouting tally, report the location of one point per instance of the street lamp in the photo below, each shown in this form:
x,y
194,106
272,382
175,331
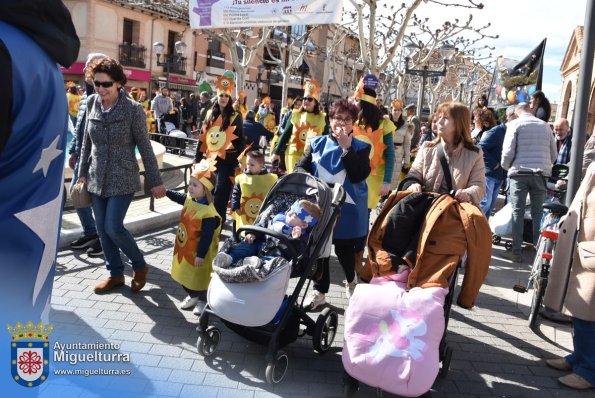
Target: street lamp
x,y
169,59
447,51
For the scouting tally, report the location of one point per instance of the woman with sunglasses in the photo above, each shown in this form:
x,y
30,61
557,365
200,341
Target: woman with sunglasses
x,y
115,125
307,121
401,140
222,139
339,158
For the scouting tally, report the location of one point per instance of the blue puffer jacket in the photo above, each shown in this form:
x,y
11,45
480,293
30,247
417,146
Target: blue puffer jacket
x,y
491,145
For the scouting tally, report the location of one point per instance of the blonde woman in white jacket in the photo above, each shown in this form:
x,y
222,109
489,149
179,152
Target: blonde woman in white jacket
x,y
401,141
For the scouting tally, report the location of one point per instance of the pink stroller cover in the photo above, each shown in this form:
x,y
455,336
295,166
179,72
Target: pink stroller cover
x,y
392,336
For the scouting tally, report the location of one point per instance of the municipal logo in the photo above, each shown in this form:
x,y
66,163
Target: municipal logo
x,y
30,353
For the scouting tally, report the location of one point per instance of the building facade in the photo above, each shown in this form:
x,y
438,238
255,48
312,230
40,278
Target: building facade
x,y
570,70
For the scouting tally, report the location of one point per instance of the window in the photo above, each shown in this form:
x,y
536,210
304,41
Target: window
x,y
130,31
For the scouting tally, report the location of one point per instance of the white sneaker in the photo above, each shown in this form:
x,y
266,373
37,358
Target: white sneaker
x,y
188,303
252,261
199,308
350,287
314,300
222,260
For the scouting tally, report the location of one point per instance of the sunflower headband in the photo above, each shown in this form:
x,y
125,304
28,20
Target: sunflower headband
x,y
225,85
359,90
312,89
397,104
204,171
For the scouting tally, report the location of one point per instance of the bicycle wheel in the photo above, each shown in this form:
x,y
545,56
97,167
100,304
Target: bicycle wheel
x,y
536,300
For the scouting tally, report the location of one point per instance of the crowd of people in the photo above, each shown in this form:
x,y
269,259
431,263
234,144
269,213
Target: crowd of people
x,y
357,142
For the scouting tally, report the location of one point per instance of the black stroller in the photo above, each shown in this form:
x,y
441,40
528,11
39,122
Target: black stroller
x,y
284,328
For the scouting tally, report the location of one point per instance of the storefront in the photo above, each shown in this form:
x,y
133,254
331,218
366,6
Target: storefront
x,y
178,86
138,78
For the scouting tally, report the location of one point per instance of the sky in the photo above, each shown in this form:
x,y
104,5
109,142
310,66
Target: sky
x,y
522,25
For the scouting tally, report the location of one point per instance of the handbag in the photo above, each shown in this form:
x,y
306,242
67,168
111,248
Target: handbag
x,y
586,253
80,196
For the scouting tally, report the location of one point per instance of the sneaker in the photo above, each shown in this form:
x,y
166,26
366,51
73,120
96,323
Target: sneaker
x,y
84,241
252,261
222,260
575,381
199,307
350,287
558,363
314,300
96,250
188,303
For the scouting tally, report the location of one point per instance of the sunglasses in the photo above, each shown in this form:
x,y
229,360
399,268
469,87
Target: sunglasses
x,y
97,83
308,99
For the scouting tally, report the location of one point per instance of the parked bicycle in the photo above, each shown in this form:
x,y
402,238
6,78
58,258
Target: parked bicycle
x,y
538,277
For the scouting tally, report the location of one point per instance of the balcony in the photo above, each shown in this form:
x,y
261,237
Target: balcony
x,y
132,55
215,59
177,65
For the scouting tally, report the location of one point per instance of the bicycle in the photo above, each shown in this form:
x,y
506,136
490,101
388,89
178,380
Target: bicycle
x,y
540,270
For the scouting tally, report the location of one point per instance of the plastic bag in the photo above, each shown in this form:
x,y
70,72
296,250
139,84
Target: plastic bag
x,y
501,222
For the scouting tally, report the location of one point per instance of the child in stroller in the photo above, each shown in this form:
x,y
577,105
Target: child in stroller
x,y
242,262
265,311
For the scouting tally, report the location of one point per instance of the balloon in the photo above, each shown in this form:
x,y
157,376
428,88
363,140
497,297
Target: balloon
x,y
511,97
498,90
531,90
522,97
503,94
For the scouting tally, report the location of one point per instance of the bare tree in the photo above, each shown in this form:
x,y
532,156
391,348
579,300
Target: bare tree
x,y
243,45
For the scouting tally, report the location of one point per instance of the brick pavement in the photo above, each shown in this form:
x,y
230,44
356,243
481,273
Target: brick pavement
x,y
495,352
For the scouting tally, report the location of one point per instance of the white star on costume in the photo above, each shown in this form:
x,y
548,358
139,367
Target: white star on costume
x,y
327,176
47,155
47,230
308,219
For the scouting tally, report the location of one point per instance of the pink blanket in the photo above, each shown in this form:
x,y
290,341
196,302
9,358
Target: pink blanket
x,y
392,336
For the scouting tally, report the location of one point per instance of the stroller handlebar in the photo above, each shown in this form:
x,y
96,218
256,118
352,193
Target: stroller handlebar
x,y
274,234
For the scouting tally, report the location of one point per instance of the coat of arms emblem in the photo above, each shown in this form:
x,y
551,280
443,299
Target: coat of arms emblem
x,y
30,353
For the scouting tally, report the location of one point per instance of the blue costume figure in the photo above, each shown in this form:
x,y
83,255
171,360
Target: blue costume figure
x,y
34,37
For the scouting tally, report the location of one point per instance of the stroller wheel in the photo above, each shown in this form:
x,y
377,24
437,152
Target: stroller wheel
x,y
276,370
496,239
325,330
208,342
508,245
350,386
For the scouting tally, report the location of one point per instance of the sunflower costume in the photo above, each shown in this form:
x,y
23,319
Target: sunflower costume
x,y
250,189
190,233
381,141
304,125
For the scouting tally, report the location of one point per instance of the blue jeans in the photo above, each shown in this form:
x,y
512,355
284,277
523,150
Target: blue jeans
x,y
489,201
109,213
520,186
243,250
85,214
583,357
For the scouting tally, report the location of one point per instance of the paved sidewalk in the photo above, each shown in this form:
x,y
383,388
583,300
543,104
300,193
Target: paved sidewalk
x,y
495,352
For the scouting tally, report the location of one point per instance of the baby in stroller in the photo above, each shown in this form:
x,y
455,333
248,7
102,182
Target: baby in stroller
x,y
256,257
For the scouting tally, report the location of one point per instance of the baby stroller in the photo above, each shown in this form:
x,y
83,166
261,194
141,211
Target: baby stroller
x,y
398,345
501,222
264,312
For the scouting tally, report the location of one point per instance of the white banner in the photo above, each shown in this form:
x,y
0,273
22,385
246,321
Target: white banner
x,y
245,13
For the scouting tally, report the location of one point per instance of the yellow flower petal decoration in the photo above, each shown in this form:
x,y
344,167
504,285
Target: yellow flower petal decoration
x,y
217,140
375,139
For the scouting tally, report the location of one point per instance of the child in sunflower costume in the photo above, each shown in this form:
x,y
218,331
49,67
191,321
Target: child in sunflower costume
x,y
250,189
240,104
307,121
197,237
372,127
265,116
